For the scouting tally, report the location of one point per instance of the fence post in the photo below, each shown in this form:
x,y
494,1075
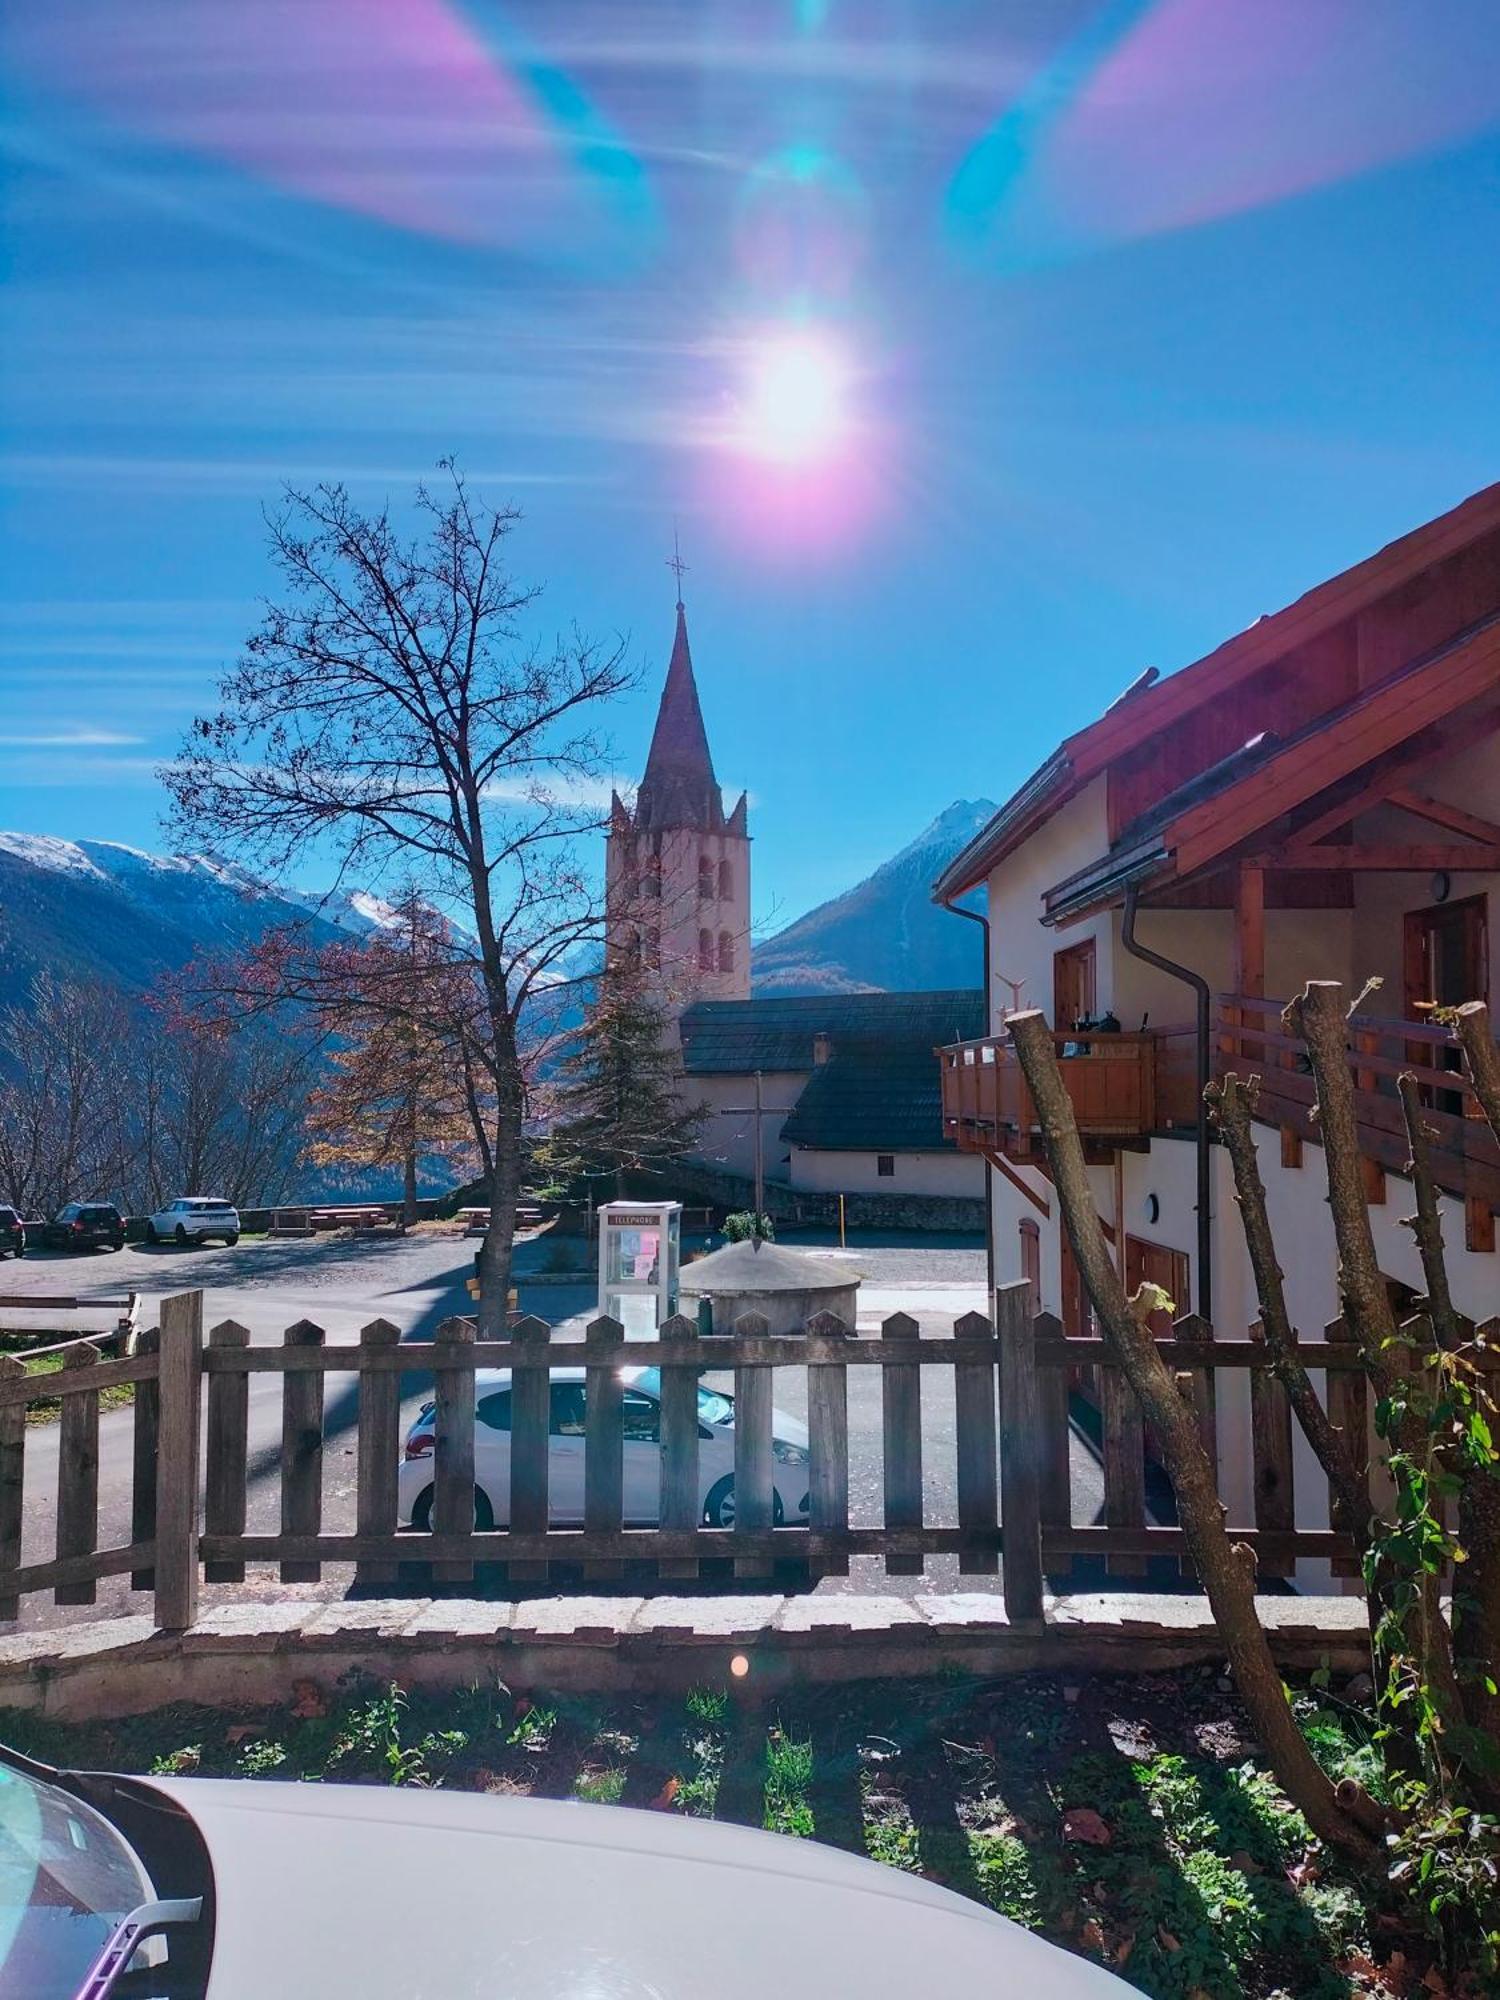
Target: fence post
x,y
180,1375
228,1450
681,1503
302,1451
145,1448
754,1483
453,1445
77,1474
12,1479
901,1440
1271,1457
828,1444
603,1444
379,1442
1020,1466
530,1422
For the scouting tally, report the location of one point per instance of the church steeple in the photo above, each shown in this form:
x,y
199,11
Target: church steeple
x,y
679,788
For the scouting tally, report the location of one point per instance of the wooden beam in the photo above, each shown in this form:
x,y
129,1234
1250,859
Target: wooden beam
x,y
1387,856
1394,769
1439,813
1003,1167
1250,930
1464,671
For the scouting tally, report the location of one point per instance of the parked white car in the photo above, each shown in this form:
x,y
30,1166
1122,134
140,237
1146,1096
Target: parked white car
x,y
193,1218
641,1409
251,1888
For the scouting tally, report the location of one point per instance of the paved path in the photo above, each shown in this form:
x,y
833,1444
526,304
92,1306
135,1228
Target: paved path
x,y
416,1282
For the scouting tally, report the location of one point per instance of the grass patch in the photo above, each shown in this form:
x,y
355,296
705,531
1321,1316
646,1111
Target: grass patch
x,y
47,1410
1127,1820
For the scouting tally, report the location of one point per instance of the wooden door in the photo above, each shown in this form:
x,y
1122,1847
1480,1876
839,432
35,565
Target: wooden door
x,y
1445,962
1073,984
1154,1264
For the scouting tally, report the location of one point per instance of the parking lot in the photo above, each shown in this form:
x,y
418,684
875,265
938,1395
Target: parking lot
x,y
418,1280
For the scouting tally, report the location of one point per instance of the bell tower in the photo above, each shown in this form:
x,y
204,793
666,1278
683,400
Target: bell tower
x,y
677,867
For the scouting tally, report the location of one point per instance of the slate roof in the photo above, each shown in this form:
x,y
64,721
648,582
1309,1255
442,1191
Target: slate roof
x,y
880,1090
735,1037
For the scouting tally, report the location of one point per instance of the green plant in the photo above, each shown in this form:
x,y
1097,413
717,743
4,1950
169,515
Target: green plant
x,y
744,1226
532,1729
789,1769
600,1788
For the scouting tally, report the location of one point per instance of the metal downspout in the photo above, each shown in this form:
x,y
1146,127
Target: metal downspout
x,y
989,1172
1205,1293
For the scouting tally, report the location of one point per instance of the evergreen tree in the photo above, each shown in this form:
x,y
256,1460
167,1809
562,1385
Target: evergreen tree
x,y
618,1106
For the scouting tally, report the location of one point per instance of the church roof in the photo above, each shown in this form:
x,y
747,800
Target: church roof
x,y
736,1037
679,788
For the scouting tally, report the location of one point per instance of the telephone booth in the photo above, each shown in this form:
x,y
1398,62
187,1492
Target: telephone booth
x,y
640,1250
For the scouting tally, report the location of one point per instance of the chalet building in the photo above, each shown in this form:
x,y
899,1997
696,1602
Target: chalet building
x,y
851,1097
1318,798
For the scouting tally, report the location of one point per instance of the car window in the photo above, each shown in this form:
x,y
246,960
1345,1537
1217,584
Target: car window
x,y
494,1410
69,1213
642,1418
568,1408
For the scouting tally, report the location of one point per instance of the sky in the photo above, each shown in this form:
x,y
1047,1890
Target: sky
x,y
981,352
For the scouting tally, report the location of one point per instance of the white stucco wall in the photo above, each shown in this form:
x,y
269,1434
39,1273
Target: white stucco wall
x,y
1020,948
937,1173
727,1139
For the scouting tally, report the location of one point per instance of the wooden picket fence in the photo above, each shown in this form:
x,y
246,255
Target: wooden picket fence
x,y
1013,1497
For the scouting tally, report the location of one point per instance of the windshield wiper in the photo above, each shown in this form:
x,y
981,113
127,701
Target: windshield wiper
x,y
129,1934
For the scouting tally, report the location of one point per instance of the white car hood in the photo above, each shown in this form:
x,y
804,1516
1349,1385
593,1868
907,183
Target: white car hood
x,y
341,1889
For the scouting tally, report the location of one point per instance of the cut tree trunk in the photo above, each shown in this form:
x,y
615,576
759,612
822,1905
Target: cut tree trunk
x,y
1226,1568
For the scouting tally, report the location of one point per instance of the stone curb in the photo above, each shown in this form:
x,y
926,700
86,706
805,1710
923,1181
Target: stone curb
x,y
244,1655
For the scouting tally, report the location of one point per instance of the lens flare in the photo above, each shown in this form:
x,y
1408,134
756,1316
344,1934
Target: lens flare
x,y
796,405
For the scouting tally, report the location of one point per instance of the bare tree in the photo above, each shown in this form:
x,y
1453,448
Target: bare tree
x,y
388,716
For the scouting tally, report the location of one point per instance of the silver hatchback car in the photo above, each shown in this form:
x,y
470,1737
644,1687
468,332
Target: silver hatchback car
x,y
641,1409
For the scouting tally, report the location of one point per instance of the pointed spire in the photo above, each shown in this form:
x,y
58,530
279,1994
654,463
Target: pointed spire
x,y
679,788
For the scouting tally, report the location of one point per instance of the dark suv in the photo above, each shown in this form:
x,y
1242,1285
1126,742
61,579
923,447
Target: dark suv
x,y
84,1225
12,1234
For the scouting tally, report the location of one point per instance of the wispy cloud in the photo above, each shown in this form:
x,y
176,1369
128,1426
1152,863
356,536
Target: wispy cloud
x,y
72,739
231,475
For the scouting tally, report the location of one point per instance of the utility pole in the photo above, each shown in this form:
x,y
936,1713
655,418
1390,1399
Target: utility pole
x,y
757,1111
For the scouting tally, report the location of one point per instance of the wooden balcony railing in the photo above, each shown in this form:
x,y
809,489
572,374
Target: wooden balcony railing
x,y
1111,1080
1466,1158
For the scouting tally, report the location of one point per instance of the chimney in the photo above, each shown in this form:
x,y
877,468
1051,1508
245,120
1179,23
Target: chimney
x,y
822,1049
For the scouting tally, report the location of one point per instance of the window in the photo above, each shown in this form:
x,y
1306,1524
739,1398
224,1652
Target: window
x,y
494,1410
705,951
726,881
726,952
653,876
568,1407
653,948
705,879
885,1166
642,1419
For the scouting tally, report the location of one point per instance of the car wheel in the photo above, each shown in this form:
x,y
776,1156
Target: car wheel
x,y
230,1241
180,1234
421,1512
718,1508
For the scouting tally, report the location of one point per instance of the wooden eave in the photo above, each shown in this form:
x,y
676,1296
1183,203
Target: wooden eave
x,y
1135,720
1456,677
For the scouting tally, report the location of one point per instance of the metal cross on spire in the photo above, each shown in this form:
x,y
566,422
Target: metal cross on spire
x,y
675,562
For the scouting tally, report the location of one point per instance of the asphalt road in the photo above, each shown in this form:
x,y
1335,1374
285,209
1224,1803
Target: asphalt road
x,y
418,1280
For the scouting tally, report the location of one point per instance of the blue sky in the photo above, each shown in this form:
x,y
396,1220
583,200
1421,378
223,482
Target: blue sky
x,y
1127,322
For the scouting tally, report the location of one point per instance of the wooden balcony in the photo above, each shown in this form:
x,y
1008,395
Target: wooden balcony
x,y
1465,1155
1127,1087
1111,1080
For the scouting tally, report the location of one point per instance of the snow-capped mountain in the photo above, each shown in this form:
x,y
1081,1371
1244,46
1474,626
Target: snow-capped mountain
x,y
100,910
885,934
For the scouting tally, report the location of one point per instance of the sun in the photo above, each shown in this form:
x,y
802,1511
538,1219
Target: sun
x,y
796,405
